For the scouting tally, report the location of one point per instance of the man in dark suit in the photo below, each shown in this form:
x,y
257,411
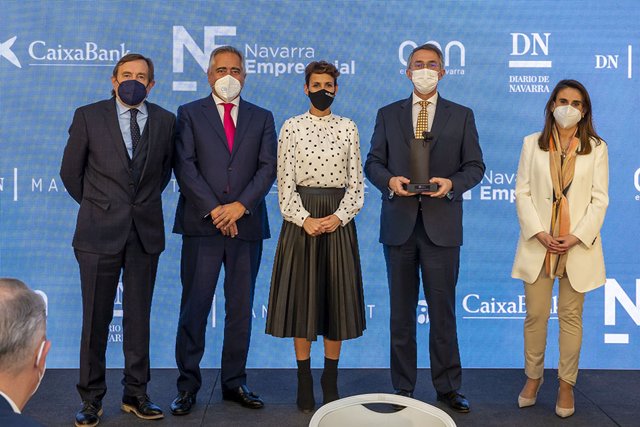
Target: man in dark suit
x,y
23,350
225,164
423,232
116,164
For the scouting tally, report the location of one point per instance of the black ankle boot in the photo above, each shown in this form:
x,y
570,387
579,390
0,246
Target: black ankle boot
x,y
329,381
305,400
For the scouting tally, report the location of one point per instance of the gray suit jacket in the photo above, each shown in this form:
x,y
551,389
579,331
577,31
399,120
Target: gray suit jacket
x,y
96,172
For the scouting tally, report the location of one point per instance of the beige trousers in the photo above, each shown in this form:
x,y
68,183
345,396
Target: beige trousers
x,y
538,300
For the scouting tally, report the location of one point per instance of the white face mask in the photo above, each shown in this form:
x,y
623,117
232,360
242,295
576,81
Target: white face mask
x,y
40,375
424,80
227,88
567,116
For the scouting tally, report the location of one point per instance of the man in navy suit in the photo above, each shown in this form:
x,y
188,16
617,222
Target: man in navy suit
x,y
225,164
116,164
23,350
423,232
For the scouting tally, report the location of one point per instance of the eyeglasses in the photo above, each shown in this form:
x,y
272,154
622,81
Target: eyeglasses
x,y
432,65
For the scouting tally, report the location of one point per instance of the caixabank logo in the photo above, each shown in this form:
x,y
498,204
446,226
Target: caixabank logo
x,y
454,53
529,61
56,53
271,60
8,54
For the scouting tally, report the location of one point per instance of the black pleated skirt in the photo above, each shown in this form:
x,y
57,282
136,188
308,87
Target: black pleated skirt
x,y
316,284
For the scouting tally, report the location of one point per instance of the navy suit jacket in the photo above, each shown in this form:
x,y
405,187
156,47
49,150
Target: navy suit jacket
x,y
455,155
209,175
96,172
8,418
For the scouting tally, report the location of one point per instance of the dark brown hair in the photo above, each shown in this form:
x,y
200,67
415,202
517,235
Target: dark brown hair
x,y
321,67
585,132
129,57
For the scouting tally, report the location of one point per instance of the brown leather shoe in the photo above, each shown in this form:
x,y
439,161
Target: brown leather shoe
x,y
141,407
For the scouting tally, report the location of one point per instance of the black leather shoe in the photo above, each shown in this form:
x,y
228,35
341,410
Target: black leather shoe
x,y
141,407
90,414
243,396
183,403
404,393
455,400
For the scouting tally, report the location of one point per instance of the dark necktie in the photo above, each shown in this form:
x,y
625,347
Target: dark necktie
x,y
135,130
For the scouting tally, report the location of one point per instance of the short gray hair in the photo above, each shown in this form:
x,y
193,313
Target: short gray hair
x,y
226,49
23,322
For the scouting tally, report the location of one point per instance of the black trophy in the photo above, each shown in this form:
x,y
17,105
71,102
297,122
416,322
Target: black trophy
x,y
419,168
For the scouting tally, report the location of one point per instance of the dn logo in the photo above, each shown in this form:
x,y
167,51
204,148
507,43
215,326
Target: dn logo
x,y
613,293
533,45
606,61
182,40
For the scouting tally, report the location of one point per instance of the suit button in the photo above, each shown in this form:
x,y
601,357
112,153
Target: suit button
x,y
230,169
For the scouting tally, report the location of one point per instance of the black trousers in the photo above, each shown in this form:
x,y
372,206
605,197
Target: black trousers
x,y
202,260
439,267
99,276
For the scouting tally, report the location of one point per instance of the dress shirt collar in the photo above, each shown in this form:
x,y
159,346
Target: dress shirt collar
x,y
218,101
122,109
416,99
11,402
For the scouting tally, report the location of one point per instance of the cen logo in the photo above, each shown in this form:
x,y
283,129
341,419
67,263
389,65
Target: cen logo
x,y
407,46
182,41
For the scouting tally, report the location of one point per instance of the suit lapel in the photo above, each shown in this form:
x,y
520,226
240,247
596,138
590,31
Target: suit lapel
x,y
149,127
111,117
244,118
406,120
210,111
440,119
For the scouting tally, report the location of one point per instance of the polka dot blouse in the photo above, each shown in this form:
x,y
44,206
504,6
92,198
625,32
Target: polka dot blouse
x,y
319,152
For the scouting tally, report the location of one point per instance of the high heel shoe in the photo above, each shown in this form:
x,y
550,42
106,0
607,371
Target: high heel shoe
x,y
523,402
565,412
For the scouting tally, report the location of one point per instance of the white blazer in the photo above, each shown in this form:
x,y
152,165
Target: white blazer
x,y
588,199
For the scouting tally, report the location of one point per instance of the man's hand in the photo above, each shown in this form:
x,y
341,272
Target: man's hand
x,y
230,231
395,184
330,223
225,215
313,226
444,186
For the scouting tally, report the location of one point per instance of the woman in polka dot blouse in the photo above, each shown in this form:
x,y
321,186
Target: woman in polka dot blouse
x,y
316,285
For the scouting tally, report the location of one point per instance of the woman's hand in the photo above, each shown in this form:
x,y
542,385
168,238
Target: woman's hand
x,y
313,226
330,223
564,243
548,241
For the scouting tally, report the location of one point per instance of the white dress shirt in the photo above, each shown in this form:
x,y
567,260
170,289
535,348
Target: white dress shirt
x,y
234,111
11,403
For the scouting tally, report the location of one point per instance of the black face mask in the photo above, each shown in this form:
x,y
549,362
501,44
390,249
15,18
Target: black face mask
x,y
321,99
132,92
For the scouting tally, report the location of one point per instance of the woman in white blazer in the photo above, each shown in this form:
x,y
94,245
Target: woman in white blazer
x,y
561,200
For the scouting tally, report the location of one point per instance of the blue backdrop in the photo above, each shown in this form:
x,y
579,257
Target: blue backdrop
x,y
503,58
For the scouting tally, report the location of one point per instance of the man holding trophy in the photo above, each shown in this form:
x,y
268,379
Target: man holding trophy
x,y
424,155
